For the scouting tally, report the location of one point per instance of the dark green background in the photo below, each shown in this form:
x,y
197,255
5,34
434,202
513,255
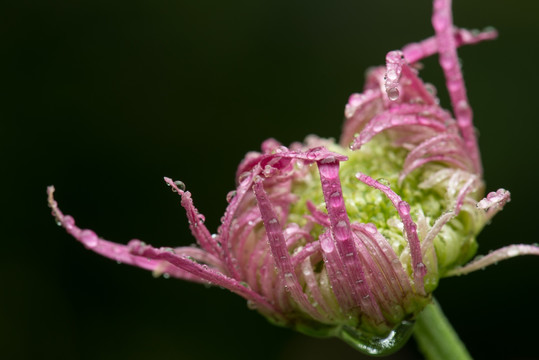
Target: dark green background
x,y
104,98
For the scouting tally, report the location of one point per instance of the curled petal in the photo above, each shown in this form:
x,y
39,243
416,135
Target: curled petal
x,y
201,271
410,228
495,199
118,252
280,253
428,47
494,202
313,288
196,222
361,108
428,241
319,216
445,147
389,260
442,21
389,120
343,240
495,256
342,288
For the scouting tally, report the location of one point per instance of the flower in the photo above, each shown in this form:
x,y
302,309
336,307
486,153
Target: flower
x,y
348,241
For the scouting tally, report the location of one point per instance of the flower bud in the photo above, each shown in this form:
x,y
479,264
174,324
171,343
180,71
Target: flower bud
x,y
349,239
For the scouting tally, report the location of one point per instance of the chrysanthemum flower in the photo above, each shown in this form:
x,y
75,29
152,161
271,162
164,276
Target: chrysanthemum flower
x,y
348,239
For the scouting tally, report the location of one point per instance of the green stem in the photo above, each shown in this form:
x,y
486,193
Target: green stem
x,y
436,337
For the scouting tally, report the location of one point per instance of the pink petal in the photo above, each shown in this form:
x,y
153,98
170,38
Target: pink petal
x,y
280,253
418,51
202,272
494,257
343,240
410,228
196,222
442,21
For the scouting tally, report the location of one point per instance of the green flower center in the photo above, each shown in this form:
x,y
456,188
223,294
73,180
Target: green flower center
x,y
455,243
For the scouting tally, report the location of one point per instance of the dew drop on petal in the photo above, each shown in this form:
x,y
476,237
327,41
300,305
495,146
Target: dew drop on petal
x,y
230,196
251,305
336,199
244,176
392,75
374,345
69,222
383,181
393,94
404,208
88,238
341,230
430,89
420,267
326,244
371,228
180,185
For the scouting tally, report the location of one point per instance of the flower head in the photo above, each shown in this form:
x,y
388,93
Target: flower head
x,y
348,239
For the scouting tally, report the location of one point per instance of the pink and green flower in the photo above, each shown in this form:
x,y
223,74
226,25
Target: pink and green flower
x,y
348,239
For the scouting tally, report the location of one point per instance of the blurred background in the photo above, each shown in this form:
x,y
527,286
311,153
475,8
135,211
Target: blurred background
x,y
104,98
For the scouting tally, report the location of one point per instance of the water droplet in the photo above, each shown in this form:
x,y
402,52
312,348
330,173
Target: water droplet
x,y
370,228
230,196
180,185
272,221
69,222
393,93
404,208
341,230
166,275
384,182
327,245
374,345
251,305
89,238
244,176
328,160
336,199
391,75
430,89
169,250
420,268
